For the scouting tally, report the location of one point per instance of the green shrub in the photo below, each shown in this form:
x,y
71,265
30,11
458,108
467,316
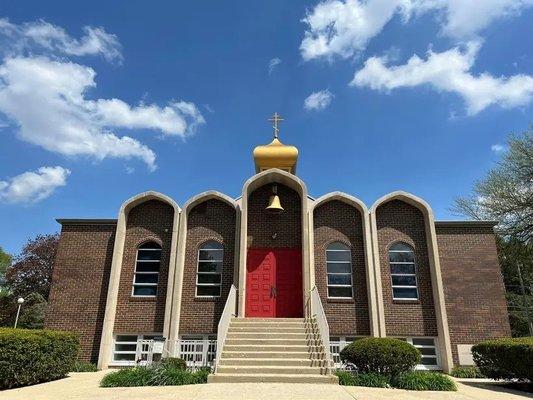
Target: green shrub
x,y
423,380
369,379
505,358
29,356
386,356
82,366
174,362
164,374
127,377
466,372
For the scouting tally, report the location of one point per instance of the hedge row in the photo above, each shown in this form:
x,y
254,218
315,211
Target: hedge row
x,y
30,356
505,358
413,380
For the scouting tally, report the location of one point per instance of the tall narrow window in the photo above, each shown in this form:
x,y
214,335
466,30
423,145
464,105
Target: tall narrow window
x,y
147,269
339,270
403,272
209,276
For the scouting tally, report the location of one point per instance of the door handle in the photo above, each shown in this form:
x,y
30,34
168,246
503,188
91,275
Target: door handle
x,y
273,292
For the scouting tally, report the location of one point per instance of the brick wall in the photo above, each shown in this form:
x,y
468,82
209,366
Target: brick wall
x,y
79,284
210,220
149,221
338,221
399,221
262,225
473,286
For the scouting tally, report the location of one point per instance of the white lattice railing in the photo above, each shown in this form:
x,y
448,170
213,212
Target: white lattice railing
x,y
197,352
317,311
230,310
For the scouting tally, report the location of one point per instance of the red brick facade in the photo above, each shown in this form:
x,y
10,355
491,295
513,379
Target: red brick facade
x,y
338,221
210,220
473,286
149,221
398,221
79,284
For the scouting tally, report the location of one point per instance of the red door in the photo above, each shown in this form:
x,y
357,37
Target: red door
x,y
274,283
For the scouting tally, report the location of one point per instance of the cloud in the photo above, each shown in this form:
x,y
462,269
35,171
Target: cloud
x,y
272,64
33,186
43,36
344,27
448,71
47,101
318,101
497,148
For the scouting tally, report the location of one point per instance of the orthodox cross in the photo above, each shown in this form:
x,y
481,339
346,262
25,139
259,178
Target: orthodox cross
x,y
276,119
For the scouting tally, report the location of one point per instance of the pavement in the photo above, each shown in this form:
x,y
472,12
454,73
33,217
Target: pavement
x,y
85,386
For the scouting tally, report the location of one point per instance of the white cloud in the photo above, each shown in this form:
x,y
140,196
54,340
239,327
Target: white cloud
x,y
47,101
344,27
33,186
273,63
318,100
42,36
497,148
448,71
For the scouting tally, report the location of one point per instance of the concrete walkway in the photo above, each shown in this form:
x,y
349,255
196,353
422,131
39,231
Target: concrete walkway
x,y
84,386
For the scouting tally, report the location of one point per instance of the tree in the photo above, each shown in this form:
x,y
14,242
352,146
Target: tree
x,y
5,262
506,194
31,271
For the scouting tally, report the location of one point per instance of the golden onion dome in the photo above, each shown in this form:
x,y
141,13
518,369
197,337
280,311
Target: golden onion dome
x,y
275,155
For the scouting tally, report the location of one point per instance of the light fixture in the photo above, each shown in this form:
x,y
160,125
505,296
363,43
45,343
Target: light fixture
x,y
274,205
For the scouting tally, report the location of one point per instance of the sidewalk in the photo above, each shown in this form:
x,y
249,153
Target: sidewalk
x,y
84,386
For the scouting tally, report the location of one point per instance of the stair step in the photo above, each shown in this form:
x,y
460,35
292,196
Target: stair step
x,y
273,341
277,335
279,378
274,348
271,354
294,362
267,329
252,320
269,370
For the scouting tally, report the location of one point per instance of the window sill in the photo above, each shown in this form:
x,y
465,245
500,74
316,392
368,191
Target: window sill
x,y
207,298
405,301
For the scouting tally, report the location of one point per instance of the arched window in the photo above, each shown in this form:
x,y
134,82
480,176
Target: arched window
x,y
147,269
339,270
209,276
403,272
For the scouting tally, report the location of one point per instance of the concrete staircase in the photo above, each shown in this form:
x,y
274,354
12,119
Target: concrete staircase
x,y
273,350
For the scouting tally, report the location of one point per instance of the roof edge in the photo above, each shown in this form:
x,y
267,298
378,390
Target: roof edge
x,y
86,221
469,223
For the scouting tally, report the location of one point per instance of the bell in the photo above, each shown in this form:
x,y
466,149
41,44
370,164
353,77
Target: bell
x,y
274,205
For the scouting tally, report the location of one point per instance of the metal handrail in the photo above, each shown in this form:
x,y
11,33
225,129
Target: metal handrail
x,y
223,325
317,311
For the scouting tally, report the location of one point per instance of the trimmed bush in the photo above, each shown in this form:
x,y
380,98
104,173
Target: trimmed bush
x,y
31,356
82,366
467,372
386,356
369,379
423,380
509,359
159,375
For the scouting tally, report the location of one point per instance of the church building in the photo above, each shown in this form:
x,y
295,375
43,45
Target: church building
x,y
271,285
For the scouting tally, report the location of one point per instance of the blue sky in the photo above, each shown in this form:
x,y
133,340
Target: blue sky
x,y
100,101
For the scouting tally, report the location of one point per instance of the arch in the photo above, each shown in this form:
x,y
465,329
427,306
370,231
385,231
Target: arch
x,y
189,205
116,266
369,267
434,265
273,175
144,242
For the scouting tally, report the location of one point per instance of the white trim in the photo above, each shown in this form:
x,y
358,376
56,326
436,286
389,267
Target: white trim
x,y
198,272
350,285
135,272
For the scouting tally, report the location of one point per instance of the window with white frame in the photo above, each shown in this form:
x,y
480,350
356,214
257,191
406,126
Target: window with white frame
x,y
339,270
403,272
428,350
147,270
131,349
209,275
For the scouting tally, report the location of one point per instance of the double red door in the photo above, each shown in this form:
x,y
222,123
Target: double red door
x,y
274,283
